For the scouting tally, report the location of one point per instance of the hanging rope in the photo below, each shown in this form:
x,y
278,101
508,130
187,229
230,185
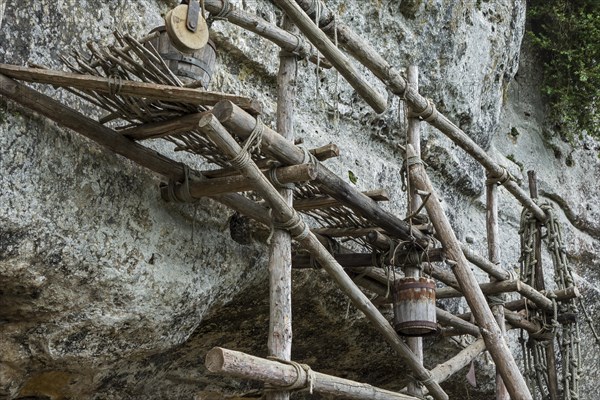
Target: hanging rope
x,y
252,144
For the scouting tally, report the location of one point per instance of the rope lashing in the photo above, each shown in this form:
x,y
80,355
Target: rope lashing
x,y
499,180
253,142
300,49
428,114
276,182
292,225
115,84
299,384
226,9
179,192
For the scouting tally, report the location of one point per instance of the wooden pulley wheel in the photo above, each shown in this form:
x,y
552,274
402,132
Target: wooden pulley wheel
x,y
183,38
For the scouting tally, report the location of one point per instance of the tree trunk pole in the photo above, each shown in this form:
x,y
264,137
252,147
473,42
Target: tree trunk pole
x,y
492,335
280,251
413,138
245,366
494,257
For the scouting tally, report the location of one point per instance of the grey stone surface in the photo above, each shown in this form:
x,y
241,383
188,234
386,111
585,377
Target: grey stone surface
x,y
107,292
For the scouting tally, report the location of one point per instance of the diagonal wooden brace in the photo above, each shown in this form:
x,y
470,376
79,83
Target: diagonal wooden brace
x,y
492,335
282,212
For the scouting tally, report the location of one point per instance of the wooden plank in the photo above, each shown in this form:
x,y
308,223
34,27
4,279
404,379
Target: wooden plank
x,y
241,365
492,335
326,201
281,211
237,120
127,88
334,55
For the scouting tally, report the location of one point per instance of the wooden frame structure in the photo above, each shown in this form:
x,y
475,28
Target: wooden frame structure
x,y
225,115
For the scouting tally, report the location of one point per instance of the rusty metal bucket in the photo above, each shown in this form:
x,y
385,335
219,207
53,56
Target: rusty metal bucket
x,y
414,307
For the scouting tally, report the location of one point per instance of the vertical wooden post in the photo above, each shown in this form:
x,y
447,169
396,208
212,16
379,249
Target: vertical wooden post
x,y
494,340
494,257
413,138
280,251
539,284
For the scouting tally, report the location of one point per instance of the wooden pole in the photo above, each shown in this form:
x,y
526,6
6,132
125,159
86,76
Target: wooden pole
x,y
491,333
237,120
333,54
152,91
442,372
286,40
280,250
366,54
494,257
241,365
413,137
282,212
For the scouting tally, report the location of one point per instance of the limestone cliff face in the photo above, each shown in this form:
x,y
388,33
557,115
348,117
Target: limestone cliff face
x,y
109,292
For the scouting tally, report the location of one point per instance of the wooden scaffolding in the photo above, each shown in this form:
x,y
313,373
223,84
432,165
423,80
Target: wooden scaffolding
x,y
227,130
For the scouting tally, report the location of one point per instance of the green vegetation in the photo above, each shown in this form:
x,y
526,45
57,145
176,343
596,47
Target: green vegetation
x,y
567,35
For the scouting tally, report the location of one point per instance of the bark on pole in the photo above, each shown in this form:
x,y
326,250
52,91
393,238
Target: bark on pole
x,y
241,365
281,211
280,250
491,333
494,257
413,138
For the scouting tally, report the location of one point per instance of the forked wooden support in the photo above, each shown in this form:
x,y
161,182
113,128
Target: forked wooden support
x,y
283,213
298,376
494,339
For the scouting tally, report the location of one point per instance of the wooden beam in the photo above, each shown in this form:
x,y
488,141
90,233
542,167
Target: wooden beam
x,y
491,190
279,343
326,201
242,123
245,366
238,183
127,88
290,42
366,54
494,340
442,372
282,212
334,55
